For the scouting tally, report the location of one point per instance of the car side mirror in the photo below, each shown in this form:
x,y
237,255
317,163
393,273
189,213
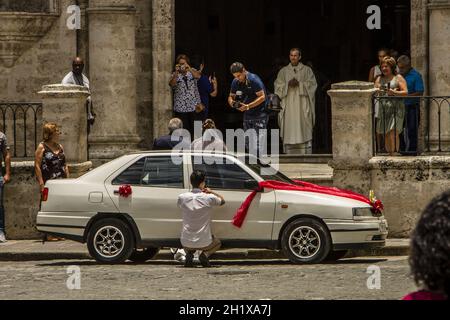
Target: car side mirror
x,y
251,184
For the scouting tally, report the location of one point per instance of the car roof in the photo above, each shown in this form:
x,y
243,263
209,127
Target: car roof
x,y
233,154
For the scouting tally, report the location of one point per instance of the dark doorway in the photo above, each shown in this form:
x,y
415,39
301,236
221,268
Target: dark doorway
x,y
332,35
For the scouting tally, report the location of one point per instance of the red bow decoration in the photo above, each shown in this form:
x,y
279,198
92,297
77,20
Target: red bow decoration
x,y
241,213
125,191
378,206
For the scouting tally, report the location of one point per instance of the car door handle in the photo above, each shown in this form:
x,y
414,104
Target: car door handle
x,y
116,192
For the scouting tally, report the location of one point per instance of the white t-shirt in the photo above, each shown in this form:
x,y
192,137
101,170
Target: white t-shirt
x,y
196,210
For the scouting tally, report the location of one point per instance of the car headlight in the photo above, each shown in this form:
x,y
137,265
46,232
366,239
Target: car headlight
x,y
363,212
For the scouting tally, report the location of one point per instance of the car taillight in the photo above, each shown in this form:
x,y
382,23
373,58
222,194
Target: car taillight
x,y
45,194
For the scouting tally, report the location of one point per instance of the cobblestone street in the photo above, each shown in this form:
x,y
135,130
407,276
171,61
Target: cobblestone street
x,y
250,279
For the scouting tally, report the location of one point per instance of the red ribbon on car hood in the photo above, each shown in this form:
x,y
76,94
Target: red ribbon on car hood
x,y
241,213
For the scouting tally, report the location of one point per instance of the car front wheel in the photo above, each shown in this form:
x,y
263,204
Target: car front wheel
x,y
306,240
110,241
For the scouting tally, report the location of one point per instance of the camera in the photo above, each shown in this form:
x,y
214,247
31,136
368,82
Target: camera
x,y
238,100
181,68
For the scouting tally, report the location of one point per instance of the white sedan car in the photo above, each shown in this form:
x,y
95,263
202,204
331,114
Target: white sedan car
x,y
308,227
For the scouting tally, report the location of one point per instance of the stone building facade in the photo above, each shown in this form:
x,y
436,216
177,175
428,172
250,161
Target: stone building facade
x,y
129,48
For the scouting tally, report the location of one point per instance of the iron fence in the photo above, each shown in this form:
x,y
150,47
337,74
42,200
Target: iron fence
x,y
19,123
411,125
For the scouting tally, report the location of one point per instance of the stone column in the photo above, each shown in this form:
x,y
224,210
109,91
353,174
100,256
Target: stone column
x,y
439,11
112,69
353,144
65,105
163,35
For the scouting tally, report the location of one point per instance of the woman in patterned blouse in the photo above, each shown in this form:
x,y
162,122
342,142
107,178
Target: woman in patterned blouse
x,y
50,161
187,102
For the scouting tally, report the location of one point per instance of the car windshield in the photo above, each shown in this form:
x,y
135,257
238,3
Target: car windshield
x,y
264,170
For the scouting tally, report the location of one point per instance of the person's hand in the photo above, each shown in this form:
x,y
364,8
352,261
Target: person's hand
x,y
207,190
213,81
293,83
6,178
244,107
41,187
391,92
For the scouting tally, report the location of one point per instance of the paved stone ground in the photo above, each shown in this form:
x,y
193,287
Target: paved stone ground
x,y
264,279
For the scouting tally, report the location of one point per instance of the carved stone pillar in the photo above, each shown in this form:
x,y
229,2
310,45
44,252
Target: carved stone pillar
x,y
112,68
163,35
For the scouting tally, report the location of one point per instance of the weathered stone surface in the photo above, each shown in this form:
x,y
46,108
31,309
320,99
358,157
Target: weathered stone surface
x,y
112,64
406,186
163,42
352,134
21,202
439,70
65,105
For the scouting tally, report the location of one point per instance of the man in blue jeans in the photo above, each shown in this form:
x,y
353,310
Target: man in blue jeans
x,y
3,180
248,95
408,145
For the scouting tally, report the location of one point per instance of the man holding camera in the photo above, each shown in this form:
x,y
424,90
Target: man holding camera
x,y
248,95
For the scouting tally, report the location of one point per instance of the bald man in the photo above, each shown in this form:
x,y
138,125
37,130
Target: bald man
x,y
77,77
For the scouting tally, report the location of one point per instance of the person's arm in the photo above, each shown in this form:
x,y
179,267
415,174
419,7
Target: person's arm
x,y
37,165
209,191
195,73
66,167
173,80
403,88
231,99
261,98
419,88
7,157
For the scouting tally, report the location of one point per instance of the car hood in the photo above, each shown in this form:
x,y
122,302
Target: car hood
x,y
323,205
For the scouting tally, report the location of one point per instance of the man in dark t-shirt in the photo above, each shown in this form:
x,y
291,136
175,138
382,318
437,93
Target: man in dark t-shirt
x,y
249,96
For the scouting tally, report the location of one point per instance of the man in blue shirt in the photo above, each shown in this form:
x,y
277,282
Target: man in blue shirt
x,y
248,95
415,88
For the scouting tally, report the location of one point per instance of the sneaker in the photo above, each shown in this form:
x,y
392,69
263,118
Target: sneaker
x,y
189,262
179,255
2,237
204,260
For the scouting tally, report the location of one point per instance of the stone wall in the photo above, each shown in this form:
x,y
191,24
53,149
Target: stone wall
x,y
21,202
406,186
47,61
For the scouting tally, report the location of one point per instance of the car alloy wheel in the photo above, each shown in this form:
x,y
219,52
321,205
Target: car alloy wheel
x,y
304,242
109,242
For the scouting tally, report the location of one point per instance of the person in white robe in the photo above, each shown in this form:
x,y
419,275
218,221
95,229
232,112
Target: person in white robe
x,y
296,86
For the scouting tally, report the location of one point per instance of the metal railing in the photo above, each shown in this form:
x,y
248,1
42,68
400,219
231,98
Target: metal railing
x,y
20,124
392,130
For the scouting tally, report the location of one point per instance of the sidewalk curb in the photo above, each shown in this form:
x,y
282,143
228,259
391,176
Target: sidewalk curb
x,y
226,255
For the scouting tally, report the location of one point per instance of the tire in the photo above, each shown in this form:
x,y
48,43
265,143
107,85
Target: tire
x,y
142,255
110,241
316,245
336,255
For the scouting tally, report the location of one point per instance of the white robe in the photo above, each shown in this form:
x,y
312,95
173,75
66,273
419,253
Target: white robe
x,y
298,116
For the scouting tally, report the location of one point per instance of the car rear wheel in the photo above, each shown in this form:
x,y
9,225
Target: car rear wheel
x,y
306,240
110,241
142,255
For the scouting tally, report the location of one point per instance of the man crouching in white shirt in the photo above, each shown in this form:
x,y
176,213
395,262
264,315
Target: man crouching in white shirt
x,y
196,209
